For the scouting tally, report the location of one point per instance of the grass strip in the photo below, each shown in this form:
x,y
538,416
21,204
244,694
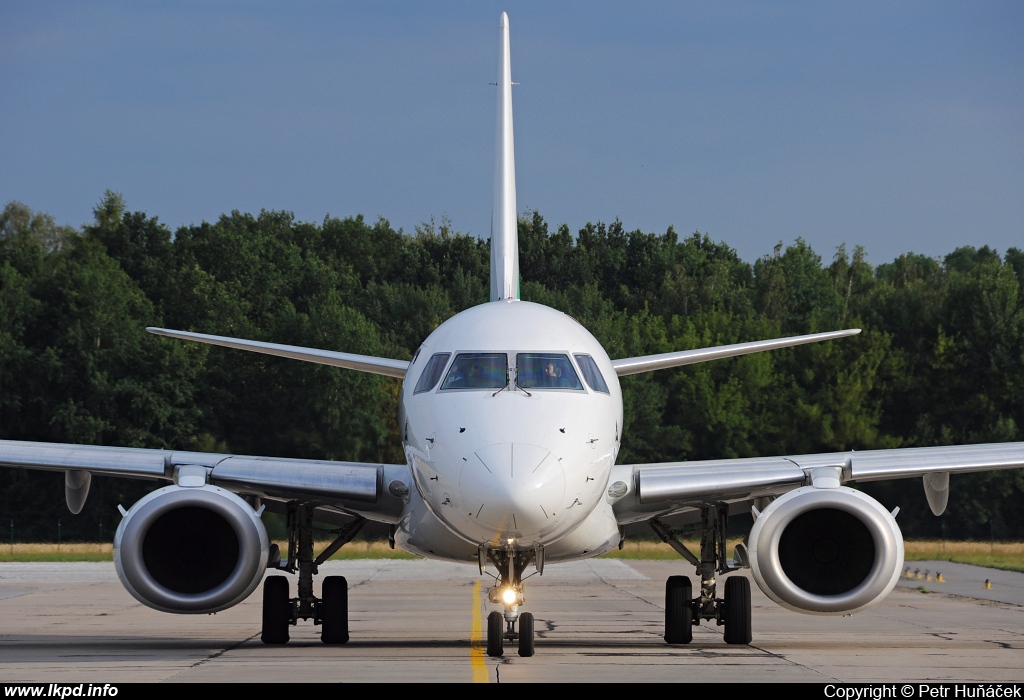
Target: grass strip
x,y
996,555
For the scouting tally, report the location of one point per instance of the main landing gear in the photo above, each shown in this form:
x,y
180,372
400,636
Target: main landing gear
x,y
508,591
330,611
682,610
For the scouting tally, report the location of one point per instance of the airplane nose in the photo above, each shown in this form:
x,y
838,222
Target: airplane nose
x,y
513,488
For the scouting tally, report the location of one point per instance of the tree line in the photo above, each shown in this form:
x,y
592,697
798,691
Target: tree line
x,y
940,360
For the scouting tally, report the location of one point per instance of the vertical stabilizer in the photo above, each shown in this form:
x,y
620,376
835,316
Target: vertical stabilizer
x,y
504,236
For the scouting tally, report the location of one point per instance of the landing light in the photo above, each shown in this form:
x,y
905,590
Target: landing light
x,y
509,596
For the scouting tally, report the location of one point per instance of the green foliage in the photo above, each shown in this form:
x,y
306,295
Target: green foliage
x,y
939,360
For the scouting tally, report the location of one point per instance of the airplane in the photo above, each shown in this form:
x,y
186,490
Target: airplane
x,y
511,419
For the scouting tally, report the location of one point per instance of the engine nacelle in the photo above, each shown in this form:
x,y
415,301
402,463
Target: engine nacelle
x,y
826,551
191,550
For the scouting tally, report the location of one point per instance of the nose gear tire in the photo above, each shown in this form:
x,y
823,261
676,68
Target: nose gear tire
x,y
526,634
495,630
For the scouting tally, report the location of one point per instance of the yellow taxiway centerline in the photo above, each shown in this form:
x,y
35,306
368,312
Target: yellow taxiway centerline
x,y
476,640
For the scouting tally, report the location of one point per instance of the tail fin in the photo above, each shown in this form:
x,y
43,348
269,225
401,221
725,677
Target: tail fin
x,y
504,235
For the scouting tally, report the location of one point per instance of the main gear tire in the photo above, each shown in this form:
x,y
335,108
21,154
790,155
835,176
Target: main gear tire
x,y
277,610
678,610
334,611
737,610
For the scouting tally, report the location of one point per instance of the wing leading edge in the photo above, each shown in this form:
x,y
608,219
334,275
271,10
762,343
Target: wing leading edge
x,y
649,490
649,363
362,363
353,486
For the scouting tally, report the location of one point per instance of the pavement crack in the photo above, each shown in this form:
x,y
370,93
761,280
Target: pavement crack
x,y
549,626
216,655
1002,645
783,657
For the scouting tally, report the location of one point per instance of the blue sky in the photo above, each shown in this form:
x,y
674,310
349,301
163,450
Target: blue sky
x,y
895,126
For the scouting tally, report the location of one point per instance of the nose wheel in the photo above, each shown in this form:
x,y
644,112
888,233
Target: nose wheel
x,y
498,630
526,634
495,631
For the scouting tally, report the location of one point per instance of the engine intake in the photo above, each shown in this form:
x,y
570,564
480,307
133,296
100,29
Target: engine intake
x,y
826,550
191,550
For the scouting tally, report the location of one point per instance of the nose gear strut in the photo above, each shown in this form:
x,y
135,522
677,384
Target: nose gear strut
x,y
511,562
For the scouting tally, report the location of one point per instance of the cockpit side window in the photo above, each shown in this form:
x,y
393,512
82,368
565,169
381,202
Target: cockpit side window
x,y
591,374
545,370
477,370
432,372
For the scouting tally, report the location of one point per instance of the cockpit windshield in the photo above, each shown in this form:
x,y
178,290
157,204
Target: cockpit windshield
x,y
432,373
545,370
591,373
477,370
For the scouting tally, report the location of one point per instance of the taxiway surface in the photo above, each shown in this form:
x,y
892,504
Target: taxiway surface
x,y
419,621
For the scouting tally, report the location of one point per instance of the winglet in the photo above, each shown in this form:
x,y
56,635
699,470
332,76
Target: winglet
x,y
504,235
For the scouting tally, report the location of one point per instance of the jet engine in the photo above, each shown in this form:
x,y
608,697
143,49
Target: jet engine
x,y
825,551
191,549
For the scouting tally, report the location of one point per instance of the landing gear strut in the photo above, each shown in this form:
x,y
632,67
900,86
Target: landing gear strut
x,y
683,612
510,562
331,610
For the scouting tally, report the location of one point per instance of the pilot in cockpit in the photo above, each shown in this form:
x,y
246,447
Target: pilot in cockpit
x,y
552,374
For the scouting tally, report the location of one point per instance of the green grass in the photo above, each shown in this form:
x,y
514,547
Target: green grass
x,y
54,556
1008,556
645,549
363,550
30,552
999,555
76,551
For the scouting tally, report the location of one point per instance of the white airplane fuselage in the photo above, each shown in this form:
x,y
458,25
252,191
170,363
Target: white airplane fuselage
x,y
517,455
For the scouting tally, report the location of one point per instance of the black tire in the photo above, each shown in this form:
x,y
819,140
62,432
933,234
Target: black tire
x,y
737,610
678,611
334,611
526,634
277,610
495,632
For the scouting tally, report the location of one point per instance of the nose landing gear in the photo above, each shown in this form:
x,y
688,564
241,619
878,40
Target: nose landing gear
x,y
510,562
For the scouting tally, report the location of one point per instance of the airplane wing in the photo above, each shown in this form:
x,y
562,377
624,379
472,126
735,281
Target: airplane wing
x,y
653,490
362,363
348,486
649,363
